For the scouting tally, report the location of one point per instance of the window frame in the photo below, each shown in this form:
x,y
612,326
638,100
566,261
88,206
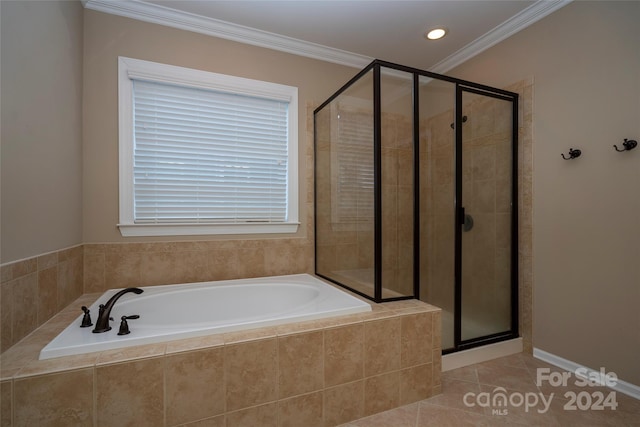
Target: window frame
x,y
129,69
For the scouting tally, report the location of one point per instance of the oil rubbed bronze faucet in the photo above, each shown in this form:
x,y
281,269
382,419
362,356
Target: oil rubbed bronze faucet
x,y
104,315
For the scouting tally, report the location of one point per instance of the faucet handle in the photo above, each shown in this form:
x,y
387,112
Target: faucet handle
x,y
86,319
124,326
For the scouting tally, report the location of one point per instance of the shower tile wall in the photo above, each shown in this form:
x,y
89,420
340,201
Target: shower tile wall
x,y
397,204
486,176
437,187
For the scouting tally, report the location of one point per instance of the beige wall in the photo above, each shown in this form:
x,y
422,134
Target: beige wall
x,y
41,127
585,62
108,36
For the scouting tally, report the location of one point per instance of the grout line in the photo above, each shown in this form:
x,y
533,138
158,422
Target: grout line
x,y
95,396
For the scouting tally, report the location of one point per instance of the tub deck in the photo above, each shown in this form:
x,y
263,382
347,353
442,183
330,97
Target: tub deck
x,y
366,362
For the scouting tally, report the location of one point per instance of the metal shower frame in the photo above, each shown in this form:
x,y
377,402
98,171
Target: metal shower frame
x,y
460,87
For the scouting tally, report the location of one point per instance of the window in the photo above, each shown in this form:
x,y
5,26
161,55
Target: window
x,y
205,153
353,158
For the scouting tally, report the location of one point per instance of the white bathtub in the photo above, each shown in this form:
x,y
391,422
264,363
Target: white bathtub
x,y
189,310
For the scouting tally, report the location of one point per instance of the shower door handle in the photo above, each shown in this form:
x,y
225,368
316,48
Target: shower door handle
x,y
466,220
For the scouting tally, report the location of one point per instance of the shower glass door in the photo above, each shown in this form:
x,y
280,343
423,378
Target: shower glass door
x,y
487,268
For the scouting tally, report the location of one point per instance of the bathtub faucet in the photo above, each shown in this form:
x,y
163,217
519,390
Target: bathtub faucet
x,y
104,315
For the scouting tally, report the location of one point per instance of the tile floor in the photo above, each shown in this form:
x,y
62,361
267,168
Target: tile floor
x,y
517,375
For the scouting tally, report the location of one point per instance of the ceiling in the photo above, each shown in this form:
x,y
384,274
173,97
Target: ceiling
x,y
351,32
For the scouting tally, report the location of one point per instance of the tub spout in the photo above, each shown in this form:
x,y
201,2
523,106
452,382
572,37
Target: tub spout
x,y
104,315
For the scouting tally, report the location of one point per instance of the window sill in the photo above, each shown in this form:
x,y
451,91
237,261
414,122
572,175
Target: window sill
x,y
132,230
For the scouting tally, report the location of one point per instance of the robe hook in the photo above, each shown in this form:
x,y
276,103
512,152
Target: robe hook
x,y
573,154
628,144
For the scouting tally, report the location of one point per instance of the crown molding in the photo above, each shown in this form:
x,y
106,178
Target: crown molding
x,y
157,14
516,23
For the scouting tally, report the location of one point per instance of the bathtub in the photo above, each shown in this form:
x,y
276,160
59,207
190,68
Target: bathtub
x,y
172,312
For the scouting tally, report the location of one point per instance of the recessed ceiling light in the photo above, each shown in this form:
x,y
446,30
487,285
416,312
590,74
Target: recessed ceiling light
x,y
436,33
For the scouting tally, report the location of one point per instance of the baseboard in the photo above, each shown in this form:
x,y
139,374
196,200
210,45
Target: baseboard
x,y
621,386
481,354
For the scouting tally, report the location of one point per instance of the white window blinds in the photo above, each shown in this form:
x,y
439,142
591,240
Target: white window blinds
x,y
355,195
206,156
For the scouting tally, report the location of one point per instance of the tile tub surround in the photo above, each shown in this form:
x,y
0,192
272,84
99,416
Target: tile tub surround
x,y
33,290
316,373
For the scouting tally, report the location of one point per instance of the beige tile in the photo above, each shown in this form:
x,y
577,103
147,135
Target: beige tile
x,y
58,364
130,394
416,339
343,403
343,354
222,263
6,273
249,335
25,303
381,346
6,403
194,384
6,315
122,270
157,268
438,416
381,393
305,410
564,417
251,262
74,252
24,267
416,383
69,281
47,294
251,373
263,416
47,261
131,353
18,356
196,343
437,366
436,332
453,392
191,266
300,364
404,416
465,373
512,378
94,271
284,259
64,399
218,421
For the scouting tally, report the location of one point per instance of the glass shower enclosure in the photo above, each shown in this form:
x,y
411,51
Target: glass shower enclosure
x,y
416,197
